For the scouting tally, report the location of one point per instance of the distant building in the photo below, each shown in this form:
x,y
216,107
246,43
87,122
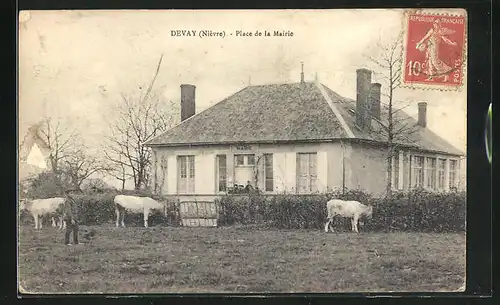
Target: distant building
x,y
297,138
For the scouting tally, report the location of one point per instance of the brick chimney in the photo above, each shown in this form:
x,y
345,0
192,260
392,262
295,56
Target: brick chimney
x,y
363,84
188,105
422,114
375,100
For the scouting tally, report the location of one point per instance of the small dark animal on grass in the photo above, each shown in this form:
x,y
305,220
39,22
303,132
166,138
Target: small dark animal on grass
x,y
89,235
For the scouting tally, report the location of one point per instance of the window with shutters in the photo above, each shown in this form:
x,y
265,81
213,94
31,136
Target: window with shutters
x,y
453,174
186,170
221,173
417,170
306,173
430,168
441,173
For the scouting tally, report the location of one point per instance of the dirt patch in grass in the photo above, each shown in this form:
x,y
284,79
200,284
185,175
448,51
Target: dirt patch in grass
x,y
234,260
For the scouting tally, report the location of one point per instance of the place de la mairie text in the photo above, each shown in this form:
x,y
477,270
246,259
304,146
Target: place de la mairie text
x,y
235,33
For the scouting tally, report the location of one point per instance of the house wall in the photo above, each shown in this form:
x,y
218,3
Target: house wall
x,y
366,168
337,153
329,169
205,158
361,166
409,155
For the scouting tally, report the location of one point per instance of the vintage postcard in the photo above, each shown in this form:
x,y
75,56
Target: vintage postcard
x,y
242,151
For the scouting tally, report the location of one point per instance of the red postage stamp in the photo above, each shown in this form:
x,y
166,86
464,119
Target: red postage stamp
x,y
434,50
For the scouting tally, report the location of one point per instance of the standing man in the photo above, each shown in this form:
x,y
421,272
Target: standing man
x,y
70,216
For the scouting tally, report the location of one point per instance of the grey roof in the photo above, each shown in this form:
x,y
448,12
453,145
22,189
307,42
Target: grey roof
x,y
285,112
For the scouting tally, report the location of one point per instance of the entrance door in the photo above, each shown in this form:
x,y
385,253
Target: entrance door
x,y
244,169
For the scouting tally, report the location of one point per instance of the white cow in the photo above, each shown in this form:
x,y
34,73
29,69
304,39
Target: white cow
x,y
134,204
352,209
41,207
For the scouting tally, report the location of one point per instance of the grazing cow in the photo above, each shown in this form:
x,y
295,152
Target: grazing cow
x,y
134,204
41,207
350,208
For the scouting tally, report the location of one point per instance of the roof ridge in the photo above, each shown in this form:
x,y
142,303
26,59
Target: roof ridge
x,y
280,84
334,109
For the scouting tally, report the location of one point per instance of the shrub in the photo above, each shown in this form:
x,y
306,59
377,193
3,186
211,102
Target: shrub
x,y
98,208
417,210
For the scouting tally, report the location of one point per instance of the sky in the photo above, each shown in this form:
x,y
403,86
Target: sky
x,y
76,64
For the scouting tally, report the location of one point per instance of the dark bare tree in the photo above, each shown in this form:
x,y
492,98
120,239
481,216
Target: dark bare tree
x,y
394,127
67,161
59,142
116,167
62,142
80,166
135,121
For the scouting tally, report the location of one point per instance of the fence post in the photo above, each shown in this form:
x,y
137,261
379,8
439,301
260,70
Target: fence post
x,y
178,205
197,212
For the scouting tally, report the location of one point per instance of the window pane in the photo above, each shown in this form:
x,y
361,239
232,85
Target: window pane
x,y
222,185
453,173
453,165
431,173
191,166
302,187
418,173
250,159
269,185
442,164
312,173
183,168
304,164
312,165
441,180
222,172
420,177
312,184
222,166
239,159
441,173
307,172
268,163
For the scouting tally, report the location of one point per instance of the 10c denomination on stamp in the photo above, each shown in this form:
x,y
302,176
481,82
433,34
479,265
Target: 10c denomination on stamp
x,y
434,50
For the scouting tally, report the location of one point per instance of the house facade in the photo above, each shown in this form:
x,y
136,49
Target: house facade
x,y
298,138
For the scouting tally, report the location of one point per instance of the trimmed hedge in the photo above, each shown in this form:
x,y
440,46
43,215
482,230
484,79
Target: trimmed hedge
x,y
415,211
98,208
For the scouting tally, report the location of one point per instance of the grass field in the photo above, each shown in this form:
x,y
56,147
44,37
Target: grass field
x,y
238,260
